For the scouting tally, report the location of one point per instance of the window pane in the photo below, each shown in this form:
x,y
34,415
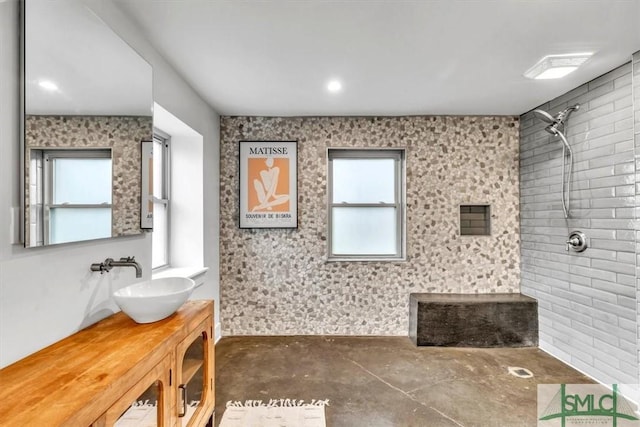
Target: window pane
x,y
364,231
81,181
159,239
158,158
363,180
74,224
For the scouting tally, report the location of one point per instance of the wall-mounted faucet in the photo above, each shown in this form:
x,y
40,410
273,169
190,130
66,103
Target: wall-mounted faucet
x,y
109,263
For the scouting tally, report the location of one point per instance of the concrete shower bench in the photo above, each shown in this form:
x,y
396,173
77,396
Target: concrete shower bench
x,y
473,320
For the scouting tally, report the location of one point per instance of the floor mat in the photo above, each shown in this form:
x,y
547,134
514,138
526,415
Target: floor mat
x,y
275,412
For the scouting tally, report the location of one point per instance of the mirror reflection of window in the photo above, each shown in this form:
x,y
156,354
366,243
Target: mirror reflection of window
x,y
76,190
160,256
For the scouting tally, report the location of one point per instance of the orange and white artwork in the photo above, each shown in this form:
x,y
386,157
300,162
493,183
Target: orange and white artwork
x,y
268,184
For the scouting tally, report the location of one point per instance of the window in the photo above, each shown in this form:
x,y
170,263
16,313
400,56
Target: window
x,y
178,237
366,204
77,194
161,206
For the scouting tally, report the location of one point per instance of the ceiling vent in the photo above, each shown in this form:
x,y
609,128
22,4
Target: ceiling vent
x,y
557,66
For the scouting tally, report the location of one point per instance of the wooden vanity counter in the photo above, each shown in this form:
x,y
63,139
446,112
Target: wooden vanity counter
x,y
76,380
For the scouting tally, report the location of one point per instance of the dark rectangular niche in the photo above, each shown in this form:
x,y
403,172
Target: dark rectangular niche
x,y
475,220
473,320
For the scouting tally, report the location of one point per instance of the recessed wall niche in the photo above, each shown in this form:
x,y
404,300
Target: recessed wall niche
x,y
475,220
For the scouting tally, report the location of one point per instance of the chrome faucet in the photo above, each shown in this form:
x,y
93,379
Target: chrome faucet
x,y
109,263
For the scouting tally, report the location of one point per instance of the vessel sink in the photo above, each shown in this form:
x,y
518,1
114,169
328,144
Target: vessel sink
x,y
154,300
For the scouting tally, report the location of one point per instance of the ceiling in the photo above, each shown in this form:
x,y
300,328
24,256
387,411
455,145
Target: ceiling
x,y
275,57
95,72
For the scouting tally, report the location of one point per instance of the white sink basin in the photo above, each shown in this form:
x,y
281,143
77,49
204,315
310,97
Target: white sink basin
x,y
154,300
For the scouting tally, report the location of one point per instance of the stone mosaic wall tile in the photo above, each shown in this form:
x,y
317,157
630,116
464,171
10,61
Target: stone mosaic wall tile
x,y
123,134
279,282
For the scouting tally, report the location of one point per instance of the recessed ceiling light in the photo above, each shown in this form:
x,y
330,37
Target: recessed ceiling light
x,y
557,66
334,86
48,85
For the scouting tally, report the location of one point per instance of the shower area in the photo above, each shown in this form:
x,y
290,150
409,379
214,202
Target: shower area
x,y
579,222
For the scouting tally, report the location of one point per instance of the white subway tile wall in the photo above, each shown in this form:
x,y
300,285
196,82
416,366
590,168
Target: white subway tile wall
x,y
588,300
636,127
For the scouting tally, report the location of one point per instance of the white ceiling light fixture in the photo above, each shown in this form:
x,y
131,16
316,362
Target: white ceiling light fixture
x,y
48,85
557,66
334,86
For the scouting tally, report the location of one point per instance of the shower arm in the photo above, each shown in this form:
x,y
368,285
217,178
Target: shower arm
x,y
555,124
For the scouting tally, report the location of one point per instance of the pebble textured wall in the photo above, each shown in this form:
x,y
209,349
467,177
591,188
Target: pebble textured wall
x,y
279,282
123,134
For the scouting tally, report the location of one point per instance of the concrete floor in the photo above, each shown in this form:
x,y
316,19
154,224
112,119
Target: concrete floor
x,y
387,381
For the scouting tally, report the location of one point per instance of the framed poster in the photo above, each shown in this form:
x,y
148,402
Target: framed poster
x,y
268,184
146,202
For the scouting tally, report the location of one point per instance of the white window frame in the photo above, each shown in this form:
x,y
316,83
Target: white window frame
x,y
398,155
48,177
165,199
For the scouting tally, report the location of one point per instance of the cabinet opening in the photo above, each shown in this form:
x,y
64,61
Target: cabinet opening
x,y
143,410
192,379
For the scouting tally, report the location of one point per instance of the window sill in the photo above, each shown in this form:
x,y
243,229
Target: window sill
x,y
195,273
363,259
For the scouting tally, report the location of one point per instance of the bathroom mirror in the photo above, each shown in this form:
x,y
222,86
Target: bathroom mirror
x,y
87,108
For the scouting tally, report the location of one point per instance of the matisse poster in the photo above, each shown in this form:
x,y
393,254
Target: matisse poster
x,y
268,184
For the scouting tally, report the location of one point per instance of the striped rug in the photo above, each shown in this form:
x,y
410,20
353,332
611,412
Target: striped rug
x,y
274,413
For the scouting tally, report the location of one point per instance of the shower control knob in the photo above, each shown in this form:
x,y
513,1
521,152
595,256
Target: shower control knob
x,y
577,241
572,243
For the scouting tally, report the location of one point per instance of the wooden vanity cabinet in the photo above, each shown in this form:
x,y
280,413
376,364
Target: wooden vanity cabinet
x,y
158,381
194,377
93,377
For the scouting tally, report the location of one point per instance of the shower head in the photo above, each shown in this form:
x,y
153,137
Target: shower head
x,y
557,121
544,116
555,127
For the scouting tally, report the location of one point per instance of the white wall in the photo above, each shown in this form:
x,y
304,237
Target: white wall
x,y
49,293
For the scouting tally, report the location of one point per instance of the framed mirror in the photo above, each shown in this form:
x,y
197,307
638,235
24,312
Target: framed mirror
x,y
87,108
